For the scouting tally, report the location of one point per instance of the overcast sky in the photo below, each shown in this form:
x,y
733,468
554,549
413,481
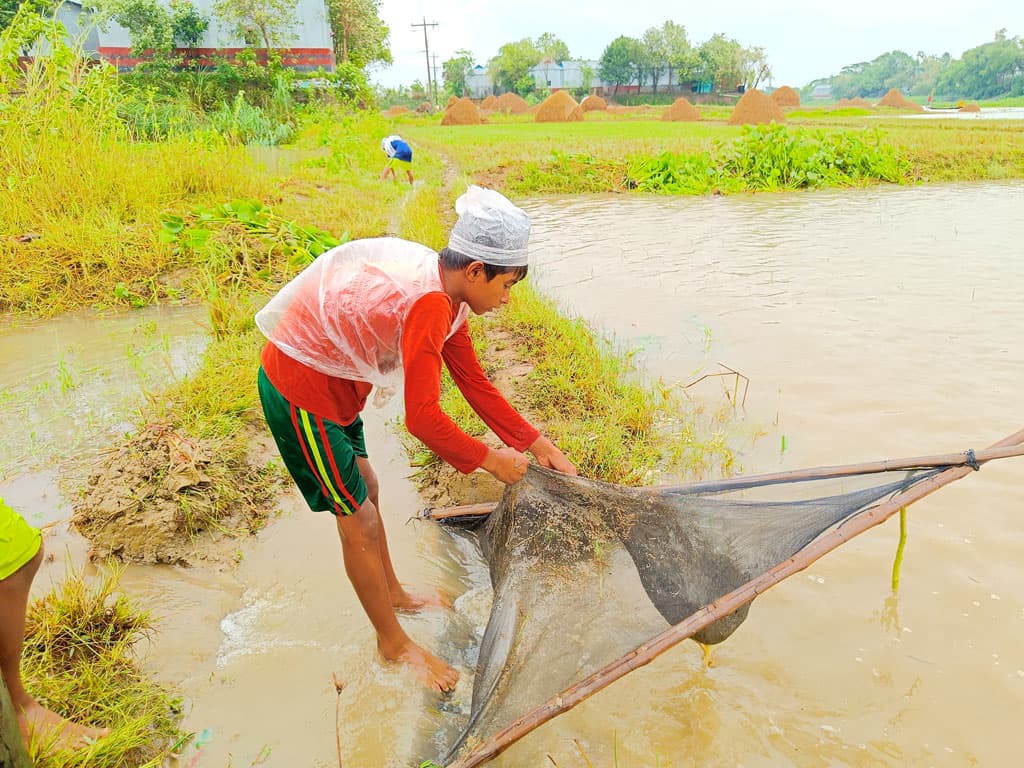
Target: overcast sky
x,y
804,39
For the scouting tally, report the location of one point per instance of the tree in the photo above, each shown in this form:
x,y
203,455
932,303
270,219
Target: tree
x,y
188,25
148,23
510,69
360,36
756,66
990,70
455,72
266,21
618,62
722,62
655,54
10,7
680,56
552,48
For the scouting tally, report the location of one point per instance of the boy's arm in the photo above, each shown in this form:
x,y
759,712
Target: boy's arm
x,y
423,335
493,408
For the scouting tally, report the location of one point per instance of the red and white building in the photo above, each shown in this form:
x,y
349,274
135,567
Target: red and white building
x,y
310,47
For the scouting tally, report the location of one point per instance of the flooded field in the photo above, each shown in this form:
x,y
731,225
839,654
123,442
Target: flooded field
x,y
870,324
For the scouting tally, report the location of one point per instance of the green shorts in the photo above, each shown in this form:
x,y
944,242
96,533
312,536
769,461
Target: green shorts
x,y
19,541
319,454
394,162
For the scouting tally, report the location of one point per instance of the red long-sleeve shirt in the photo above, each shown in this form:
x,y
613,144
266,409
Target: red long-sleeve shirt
x,y
424,348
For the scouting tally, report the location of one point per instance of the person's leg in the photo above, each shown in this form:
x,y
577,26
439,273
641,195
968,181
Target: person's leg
x,y
36,722
361,544
401,599
323,458
408,172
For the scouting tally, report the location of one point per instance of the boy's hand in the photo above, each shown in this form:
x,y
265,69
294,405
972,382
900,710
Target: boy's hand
x,y
549,456
507,464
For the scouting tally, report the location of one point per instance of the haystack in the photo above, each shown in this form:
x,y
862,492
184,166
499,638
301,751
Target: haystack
x,y
462,112
451,100
395,110
971,106
756,108
896,99
491,102
559,107
593,103
786,97
681,109
512,103
425,108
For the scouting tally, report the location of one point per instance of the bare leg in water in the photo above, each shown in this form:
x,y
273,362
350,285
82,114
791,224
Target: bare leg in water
x,y
362,544
401,599
37,723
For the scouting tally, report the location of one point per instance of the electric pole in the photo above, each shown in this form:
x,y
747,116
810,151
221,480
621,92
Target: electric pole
x,y
426,46
436,97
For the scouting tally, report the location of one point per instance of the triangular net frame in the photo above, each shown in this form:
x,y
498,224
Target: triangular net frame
x,y
592,580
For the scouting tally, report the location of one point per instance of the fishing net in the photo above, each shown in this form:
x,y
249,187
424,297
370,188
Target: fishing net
x,y
584,572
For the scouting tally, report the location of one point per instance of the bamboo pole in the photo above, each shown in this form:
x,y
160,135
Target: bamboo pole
x,y
965,458
713,611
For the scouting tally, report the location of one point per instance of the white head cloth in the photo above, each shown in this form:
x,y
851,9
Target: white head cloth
x,y
490,228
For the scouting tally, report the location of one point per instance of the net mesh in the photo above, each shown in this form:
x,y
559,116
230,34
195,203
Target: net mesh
x,y
584,572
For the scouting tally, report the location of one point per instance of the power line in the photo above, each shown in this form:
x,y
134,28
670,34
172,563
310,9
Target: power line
x,y
431,90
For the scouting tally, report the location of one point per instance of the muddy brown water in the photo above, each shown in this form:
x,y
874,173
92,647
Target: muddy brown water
x,y
871,324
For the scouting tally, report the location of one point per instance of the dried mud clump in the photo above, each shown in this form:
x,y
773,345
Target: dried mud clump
x,y
491,102
970,107
756,108
896,99
161,498
786,97
512,103
559,107
593,103
462,112
681,110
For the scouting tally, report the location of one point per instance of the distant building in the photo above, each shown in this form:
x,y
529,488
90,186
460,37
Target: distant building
x,y
478,83
555,75
311,47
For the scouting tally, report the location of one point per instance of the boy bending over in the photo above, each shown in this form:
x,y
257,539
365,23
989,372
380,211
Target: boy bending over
x,y
387,312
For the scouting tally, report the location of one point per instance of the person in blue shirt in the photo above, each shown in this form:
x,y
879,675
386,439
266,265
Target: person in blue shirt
x,y
399,153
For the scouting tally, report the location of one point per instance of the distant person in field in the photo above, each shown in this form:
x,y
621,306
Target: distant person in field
x,y
21,552
399,153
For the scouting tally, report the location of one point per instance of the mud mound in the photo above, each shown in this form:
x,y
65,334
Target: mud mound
x,y
512,103
786,97
756,108
491,102
593,103
896,99
681,110
396,110
854,102
161,498
970,107
559,107
462,112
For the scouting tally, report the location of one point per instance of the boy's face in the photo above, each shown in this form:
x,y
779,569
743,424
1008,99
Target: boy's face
x,y
484,295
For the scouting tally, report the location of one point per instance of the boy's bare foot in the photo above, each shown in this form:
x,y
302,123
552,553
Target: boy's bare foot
x,y
416,601
40,725
437,673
